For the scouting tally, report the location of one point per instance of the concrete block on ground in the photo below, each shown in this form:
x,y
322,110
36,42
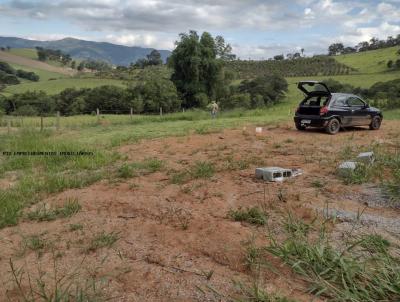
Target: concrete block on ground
x,y
347,167
366,157
273,173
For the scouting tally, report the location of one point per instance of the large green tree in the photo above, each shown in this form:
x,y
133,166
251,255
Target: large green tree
x,y
196,68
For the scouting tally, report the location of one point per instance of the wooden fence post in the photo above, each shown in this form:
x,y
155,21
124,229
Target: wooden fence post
x,y
160,111
58,120
98,115
131,114
41,123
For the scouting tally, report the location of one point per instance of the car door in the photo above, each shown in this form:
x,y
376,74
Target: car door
x,y
360,115
339,107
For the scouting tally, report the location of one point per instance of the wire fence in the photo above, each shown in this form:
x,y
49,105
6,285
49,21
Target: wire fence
x,y
9,123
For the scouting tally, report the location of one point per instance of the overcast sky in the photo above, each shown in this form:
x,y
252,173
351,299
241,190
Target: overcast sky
x,y
255,28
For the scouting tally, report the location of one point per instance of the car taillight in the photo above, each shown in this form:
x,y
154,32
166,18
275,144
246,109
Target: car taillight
x,y
323,110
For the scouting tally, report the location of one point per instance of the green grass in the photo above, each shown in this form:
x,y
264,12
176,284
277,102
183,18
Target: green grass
x,y
344,273
391,114
373,61
202,169
75,227
41,213
252,215
102,240
43,175
29,53
255,293
56,86
43,74
149,165
36,243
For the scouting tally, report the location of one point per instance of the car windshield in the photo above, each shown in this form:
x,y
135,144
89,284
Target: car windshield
x,y
317,101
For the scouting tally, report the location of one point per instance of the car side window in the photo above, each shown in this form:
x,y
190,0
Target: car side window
x,y
340,101
355,102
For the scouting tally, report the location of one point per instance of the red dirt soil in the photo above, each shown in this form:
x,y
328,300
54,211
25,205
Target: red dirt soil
x,y
172,236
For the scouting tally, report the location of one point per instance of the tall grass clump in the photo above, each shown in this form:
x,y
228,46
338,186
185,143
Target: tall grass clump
x,y
253,215
202,169
147,166
363,269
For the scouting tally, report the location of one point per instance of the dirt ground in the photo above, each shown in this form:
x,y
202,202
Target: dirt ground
x,y
176,242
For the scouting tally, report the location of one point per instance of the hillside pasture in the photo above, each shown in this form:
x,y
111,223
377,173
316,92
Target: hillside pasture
x,y
372,61
24,61
29,53
43,74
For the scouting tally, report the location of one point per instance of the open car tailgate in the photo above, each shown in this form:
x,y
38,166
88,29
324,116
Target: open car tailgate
x,y
313,88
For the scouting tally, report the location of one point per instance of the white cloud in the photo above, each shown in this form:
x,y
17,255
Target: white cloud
x,y
156,23
146,40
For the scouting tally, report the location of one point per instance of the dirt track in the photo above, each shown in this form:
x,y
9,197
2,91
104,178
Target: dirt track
x,y
172,236
11,58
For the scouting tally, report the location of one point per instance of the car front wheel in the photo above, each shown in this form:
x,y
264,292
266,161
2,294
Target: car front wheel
x,y
333,126
375,123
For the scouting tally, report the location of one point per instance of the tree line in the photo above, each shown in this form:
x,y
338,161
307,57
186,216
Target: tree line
x,y
57,55
9,75
150,90
338,48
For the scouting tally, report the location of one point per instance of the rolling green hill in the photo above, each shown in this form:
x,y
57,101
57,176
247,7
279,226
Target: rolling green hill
x,y
44,75
29,53
373,61
13,58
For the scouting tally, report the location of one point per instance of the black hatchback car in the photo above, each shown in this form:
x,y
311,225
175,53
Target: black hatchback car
x,y
333,111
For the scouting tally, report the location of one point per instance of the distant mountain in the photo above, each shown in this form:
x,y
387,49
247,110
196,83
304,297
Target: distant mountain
x,y
80,49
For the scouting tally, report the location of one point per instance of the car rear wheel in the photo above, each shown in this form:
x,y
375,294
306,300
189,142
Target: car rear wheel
x,y
375,123
300,127
333,126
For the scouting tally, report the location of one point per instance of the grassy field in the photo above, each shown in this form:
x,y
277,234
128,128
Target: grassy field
x,y
29,53
56,86
372,61
43,74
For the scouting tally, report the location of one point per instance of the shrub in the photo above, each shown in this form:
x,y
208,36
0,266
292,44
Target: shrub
x,y
27,75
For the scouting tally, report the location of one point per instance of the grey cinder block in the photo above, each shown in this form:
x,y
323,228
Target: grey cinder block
x,y
273,173
347,167
366,157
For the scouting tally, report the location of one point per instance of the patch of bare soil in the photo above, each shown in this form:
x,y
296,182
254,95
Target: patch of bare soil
x,y
175,241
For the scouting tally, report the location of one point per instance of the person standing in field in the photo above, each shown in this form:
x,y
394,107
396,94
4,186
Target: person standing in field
x,y
214,109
